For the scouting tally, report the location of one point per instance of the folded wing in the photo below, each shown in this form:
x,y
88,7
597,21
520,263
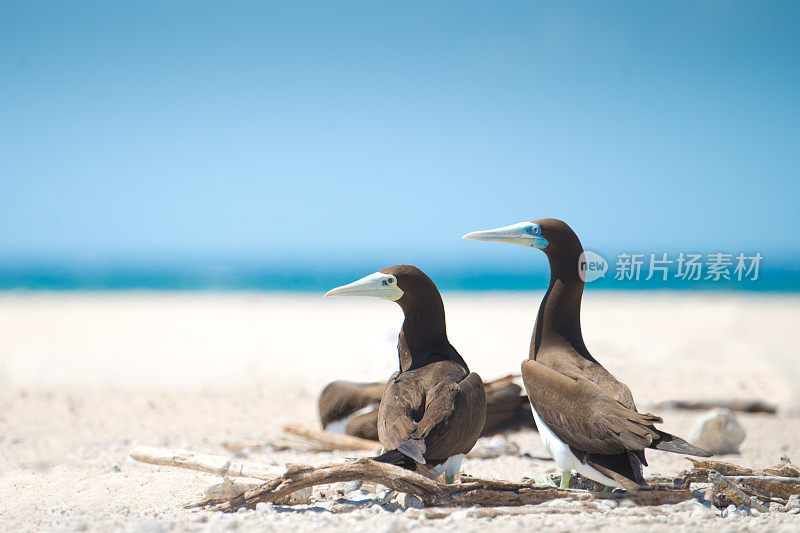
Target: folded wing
x,y
443,421
582,415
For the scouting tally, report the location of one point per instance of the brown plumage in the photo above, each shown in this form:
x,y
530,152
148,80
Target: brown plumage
x,y
433,408
507,408
585,406
340,400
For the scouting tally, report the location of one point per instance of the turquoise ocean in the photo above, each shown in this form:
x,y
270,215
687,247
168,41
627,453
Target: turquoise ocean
x,y
210,274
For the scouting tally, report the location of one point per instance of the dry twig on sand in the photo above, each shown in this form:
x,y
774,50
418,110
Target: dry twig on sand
x,y
299,437
324,441
212,464
729,483
731,490
470,492
759,487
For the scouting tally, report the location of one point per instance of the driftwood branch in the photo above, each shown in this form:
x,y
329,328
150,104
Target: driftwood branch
x,y
212,464
725,486
298,477
780,481
299,437
432,493
704,466
331,441
728,483
782,487
761,487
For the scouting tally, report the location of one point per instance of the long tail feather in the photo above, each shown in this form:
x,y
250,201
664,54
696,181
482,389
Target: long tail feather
x,y
671,443
622,468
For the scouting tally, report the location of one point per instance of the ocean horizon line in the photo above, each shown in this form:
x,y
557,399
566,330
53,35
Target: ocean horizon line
x,y
320,278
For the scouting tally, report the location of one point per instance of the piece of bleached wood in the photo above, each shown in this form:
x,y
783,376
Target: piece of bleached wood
x,y
330,441
723,485
212,464
299,437
783,487
726,469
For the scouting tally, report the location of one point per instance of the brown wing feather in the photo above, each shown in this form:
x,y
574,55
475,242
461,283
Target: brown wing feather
x,y
364,426
506,409
401,408
578,411
608,384
341,399
454,417
444,421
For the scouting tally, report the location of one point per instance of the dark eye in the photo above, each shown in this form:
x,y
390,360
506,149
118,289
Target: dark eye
x,y
390,281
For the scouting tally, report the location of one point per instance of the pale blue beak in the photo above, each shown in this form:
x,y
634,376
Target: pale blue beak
x,y
522,234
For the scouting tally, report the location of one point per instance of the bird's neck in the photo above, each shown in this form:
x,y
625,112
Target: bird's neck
x,y
423,338
558,323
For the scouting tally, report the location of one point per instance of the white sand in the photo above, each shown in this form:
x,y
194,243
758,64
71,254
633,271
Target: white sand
x,y
86,376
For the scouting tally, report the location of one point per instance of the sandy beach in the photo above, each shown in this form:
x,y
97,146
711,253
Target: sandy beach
x,y
86,376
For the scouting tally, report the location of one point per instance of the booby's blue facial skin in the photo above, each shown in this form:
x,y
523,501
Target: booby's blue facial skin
x,y
523,234
536,232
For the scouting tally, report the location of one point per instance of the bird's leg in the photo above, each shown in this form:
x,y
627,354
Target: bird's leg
x,y
566,475
452,467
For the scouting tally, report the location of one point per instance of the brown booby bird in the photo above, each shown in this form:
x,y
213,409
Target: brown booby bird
x,y
507,408
433,409
350,408
587,419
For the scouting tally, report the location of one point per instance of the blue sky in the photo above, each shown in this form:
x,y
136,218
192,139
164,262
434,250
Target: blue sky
x,y
339,130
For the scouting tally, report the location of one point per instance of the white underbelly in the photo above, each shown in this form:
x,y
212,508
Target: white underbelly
x,y
340,426
564,457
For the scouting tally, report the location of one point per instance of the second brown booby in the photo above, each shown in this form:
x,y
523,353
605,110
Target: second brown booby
x,y
433,409
587,419
350,408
